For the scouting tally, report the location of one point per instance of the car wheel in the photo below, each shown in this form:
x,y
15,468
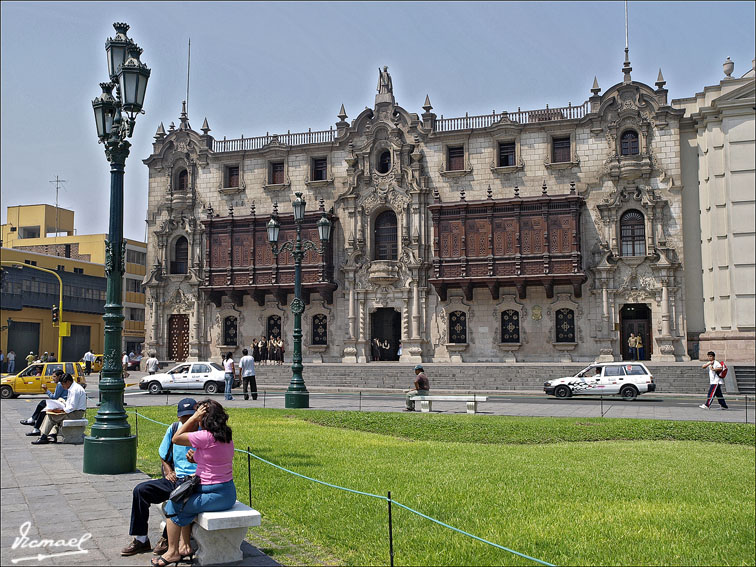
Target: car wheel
x,y
6,392
628,393
562,392
211,388
154,387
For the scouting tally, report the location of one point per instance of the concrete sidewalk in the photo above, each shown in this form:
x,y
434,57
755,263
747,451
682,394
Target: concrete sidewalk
x,y
45,485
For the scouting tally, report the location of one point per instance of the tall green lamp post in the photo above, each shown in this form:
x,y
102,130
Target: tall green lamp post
x,y
297,395
110,448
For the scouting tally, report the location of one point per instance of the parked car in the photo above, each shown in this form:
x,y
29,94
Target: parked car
x,y
134,363
627,379
31,378
207,376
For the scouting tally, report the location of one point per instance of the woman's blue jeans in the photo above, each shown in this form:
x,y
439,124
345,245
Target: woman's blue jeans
x,y
207,498
229,383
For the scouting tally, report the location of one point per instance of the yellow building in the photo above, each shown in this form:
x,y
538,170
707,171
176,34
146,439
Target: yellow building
x,y
49,230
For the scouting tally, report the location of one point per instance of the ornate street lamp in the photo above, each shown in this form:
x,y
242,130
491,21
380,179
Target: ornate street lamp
x,y
297,395
110,448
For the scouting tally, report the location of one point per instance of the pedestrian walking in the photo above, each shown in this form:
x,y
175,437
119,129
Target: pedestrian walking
x,y
247,369
715,382
88,360
153,364
228,368
632,342
11,361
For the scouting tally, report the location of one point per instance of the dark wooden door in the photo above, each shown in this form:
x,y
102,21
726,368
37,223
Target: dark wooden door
x,y
636,319
386,326
178,337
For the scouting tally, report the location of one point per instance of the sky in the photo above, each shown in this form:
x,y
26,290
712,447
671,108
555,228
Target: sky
x,y
260,67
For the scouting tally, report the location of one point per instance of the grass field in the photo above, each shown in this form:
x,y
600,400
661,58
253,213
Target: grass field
x,y
564,490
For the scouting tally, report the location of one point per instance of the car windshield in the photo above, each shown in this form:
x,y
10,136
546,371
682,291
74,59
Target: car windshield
x,y
216,366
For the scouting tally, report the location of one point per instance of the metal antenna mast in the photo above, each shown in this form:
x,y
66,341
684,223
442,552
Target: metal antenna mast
x,y
57,182
188,61
626,35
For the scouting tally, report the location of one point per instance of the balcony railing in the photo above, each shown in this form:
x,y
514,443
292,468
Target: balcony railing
x,y
466,122
289,139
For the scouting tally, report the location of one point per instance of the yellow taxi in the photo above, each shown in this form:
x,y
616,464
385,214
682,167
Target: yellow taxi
x,y
31,378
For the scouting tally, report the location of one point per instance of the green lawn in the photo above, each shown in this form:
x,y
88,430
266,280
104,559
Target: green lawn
x,y
567,491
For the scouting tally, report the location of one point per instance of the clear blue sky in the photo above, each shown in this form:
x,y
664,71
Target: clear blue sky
x,y
259,67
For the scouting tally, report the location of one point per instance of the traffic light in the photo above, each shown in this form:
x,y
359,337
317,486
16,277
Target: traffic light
x,y
55,313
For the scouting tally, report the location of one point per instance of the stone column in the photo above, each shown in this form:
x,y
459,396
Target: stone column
x,y
415,310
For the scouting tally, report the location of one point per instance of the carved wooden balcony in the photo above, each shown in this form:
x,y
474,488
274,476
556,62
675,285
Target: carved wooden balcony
x,y
516,242
239,259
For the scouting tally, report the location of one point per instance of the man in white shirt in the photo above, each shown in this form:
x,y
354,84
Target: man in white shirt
x,y
75,408
88,360
152,364
247,366
125,364
715,382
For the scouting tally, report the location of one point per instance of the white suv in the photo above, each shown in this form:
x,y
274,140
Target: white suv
x,y
628,379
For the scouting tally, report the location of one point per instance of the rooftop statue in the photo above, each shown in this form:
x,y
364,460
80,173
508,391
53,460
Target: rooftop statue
x,y
384,81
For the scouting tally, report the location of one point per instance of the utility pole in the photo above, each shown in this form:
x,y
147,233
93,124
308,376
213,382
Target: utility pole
x,y
57,182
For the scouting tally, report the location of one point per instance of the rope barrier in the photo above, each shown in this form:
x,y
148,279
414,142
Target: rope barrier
x,y
379,497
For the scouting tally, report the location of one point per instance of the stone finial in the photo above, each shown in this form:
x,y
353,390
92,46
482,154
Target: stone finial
x,y
160,134
427,106
210,211
231,210
275,209
462,195
543,188
252,209
489,192
342,115
205,128
660,82
572,187
436,196
172,127
626,68
728,67
184,118
595,89
517,192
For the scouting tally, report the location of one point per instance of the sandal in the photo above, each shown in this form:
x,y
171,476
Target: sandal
x,y
162,562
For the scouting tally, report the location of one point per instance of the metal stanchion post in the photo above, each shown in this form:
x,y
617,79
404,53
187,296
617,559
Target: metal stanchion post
x,y
249,475
391,532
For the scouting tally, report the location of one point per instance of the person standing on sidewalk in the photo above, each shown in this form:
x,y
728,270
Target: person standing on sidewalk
x,y
422,387
88,360
715,382
228,368
177,466
152,364
631,344
11,362
247,369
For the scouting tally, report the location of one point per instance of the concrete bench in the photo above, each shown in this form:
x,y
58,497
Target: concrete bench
x,y
426,402
219,535
72,431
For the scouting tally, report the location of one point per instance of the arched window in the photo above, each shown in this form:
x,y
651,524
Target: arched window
x,y
385,236
458,327
565,326
510,326
274,327
319,330
180,261
229,331
629,143
633,234
183,181
384,162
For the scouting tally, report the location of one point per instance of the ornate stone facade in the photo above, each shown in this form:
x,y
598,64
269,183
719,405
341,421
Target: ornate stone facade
x,y
619,153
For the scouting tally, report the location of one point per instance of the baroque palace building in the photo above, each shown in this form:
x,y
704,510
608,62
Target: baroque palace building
x,y
542,235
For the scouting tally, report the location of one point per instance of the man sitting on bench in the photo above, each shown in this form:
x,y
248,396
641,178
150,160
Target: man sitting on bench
x,y
422,387
75,408
39,413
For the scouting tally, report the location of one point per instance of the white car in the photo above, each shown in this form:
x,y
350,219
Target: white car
x,y
627,379
207,376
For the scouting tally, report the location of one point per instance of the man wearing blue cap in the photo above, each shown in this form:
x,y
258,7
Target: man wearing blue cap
x,y
422,387
178,464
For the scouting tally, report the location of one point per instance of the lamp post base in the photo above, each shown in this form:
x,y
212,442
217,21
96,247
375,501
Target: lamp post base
x,y
110,455
297,400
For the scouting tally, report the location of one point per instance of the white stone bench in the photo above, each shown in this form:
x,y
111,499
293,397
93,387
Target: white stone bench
x,y
219,535
72,431
426,402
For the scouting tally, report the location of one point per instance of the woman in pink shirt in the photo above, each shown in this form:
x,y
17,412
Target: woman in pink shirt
x,y
214,454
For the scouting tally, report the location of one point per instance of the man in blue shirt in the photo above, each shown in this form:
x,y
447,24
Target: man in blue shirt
x,y
177,464
39,414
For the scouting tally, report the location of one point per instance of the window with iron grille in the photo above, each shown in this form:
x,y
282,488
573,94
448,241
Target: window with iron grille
x,y
385,236
276,173
180,261
633,234
561,150
319,330
456,156
629,143
274,326
319,169
458,327
565,326
384,162
506,154
229,331
232,176
183,180
510,326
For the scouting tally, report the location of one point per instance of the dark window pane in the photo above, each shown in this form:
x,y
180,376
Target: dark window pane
x,y
276,173
319,169
183,181
458,327
274,326
629,143
385,236
457,158
561,151
384,162
565,326
319,330
180,256
510,326
229,331
507,154
633,234
232,176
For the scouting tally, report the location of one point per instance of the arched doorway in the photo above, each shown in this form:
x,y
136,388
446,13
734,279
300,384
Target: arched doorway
x,y
386,326
636,318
